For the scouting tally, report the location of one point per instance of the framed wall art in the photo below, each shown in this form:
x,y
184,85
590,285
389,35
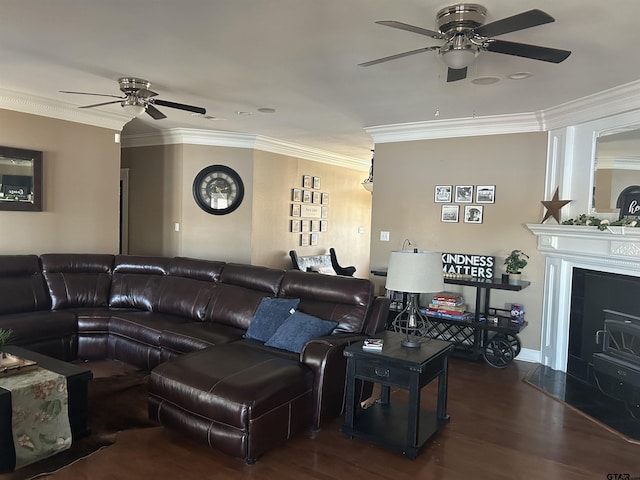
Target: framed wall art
x,y
442,194
296,195
307,181
450,213
295,210
464,193
316,183
473,213
485,193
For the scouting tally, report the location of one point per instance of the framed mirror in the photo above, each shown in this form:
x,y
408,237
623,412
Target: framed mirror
x,y
20,179
616,167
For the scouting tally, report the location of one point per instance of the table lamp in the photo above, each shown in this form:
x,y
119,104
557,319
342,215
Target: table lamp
x,y
413,272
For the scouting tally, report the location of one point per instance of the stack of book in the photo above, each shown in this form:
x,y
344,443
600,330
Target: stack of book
x,y
448,305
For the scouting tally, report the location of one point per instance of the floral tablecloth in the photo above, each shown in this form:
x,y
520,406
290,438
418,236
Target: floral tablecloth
x,y
40,416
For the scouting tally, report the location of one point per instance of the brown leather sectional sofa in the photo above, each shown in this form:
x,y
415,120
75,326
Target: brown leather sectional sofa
x,y
185,320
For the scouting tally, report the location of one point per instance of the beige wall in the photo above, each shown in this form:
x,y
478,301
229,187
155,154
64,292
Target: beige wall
x,y
81,171
258,231
403,204
349,208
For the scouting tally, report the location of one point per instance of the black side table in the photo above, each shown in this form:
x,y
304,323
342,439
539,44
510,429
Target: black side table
x,y
403,427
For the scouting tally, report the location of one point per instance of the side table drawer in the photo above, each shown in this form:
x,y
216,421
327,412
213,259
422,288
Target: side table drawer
x,y
380,371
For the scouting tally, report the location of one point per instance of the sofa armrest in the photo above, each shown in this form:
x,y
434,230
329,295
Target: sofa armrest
x,y
324,356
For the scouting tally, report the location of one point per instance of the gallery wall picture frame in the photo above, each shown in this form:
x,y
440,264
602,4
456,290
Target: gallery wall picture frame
x,y
316,183
485,193
473,213
296,195
317,197
304,239
306,226
464,194
450,213
442,193
295,210
314,239
306,196
324,225
325,198
307,181
295,226
324,212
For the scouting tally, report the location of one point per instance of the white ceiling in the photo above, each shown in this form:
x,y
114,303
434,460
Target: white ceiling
x,y
300,57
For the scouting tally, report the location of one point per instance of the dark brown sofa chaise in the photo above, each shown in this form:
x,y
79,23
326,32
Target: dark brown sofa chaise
x,y
185,320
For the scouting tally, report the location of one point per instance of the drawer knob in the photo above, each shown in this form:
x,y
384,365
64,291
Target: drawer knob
x,y
382,372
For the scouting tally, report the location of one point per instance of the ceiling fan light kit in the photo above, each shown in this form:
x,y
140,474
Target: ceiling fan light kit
x,y
465,34
138,99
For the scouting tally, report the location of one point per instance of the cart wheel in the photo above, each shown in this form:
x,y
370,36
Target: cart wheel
x,y
498,352
516,346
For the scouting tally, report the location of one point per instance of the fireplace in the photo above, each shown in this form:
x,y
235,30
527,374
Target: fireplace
x,y
575,255
617,367
593,327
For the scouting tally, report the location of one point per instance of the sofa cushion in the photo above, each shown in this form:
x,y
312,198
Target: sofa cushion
x,y
190,336
78,279
137,281
142,327
270,314
345,300
22,286
297,330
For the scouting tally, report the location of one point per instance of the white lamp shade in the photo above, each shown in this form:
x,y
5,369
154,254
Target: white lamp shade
x,y
135,110
415,272
458,58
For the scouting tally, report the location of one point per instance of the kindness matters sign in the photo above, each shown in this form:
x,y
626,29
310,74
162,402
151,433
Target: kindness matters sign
x,y
465,265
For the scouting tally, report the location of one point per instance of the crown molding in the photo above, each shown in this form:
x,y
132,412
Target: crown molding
x,y
628,162
617,100
614,101
457,127
219,138
20,102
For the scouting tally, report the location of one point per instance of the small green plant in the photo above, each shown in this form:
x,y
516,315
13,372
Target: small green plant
x,y
516,261
4,336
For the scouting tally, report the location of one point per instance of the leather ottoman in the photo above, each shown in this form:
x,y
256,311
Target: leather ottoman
x,y
235,398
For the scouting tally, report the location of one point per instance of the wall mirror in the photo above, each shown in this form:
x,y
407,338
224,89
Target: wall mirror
x,y
616,167
20,179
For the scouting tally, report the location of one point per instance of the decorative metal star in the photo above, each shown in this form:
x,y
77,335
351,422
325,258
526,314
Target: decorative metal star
x,y
553,206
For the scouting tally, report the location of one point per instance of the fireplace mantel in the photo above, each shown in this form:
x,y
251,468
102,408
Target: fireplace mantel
x,y
615,250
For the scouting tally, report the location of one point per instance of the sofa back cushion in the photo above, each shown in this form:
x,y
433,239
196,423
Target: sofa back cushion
x,y
78,280
137,281
22,286
344,300
240,291
188,287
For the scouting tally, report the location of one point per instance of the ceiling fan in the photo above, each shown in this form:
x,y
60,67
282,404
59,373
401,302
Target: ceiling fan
x,y
462,28
138,99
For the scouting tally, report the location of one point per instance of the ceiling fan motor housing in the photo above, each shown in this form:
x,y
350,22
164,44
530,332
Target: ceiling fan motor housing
x,y
130,85
460,17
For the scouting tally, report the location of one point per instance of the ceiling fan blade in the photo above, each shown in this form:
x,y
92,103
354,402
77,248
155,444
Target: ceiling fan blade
x,y
180,106
455,74
397,55
529,19
155,113
101,104
411,28
95,94
535,52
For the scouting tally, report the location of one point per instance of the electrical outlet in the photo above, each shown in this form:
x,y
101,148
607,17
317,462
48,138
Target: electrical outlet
x,y
384,236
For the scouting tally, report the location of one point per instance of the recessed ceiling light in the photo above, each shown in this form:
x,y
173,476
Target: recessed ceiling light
x,y
485,80
519,75
267,110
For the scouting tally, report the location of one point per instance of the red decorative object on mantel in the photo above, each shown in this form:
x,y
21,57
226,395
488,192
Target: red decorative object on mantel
x,y
553,206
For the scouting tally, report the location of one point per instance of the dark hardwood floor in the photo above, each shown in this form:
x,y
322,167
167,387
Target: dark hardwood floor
x,y
501,428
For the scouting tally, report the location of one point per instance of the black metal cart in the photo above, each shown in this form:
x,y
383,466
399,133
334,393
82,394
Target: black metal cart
x,y
491,333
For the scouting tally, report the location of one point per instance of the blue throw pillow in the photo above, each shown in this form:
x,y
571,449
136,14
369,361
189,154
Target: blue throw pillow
x,y
269,315
298,329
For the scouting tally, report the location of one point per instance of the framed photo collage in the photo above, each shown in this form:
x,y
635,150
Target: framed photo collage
x,y
309,211
465,200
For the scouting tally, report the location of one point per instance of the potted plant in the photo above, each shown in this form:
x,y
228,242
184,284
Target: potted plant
x,y
514,263
4,337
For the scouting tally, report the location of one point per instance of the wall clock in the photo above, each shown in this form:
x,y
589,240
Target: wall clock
x,y
218,189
